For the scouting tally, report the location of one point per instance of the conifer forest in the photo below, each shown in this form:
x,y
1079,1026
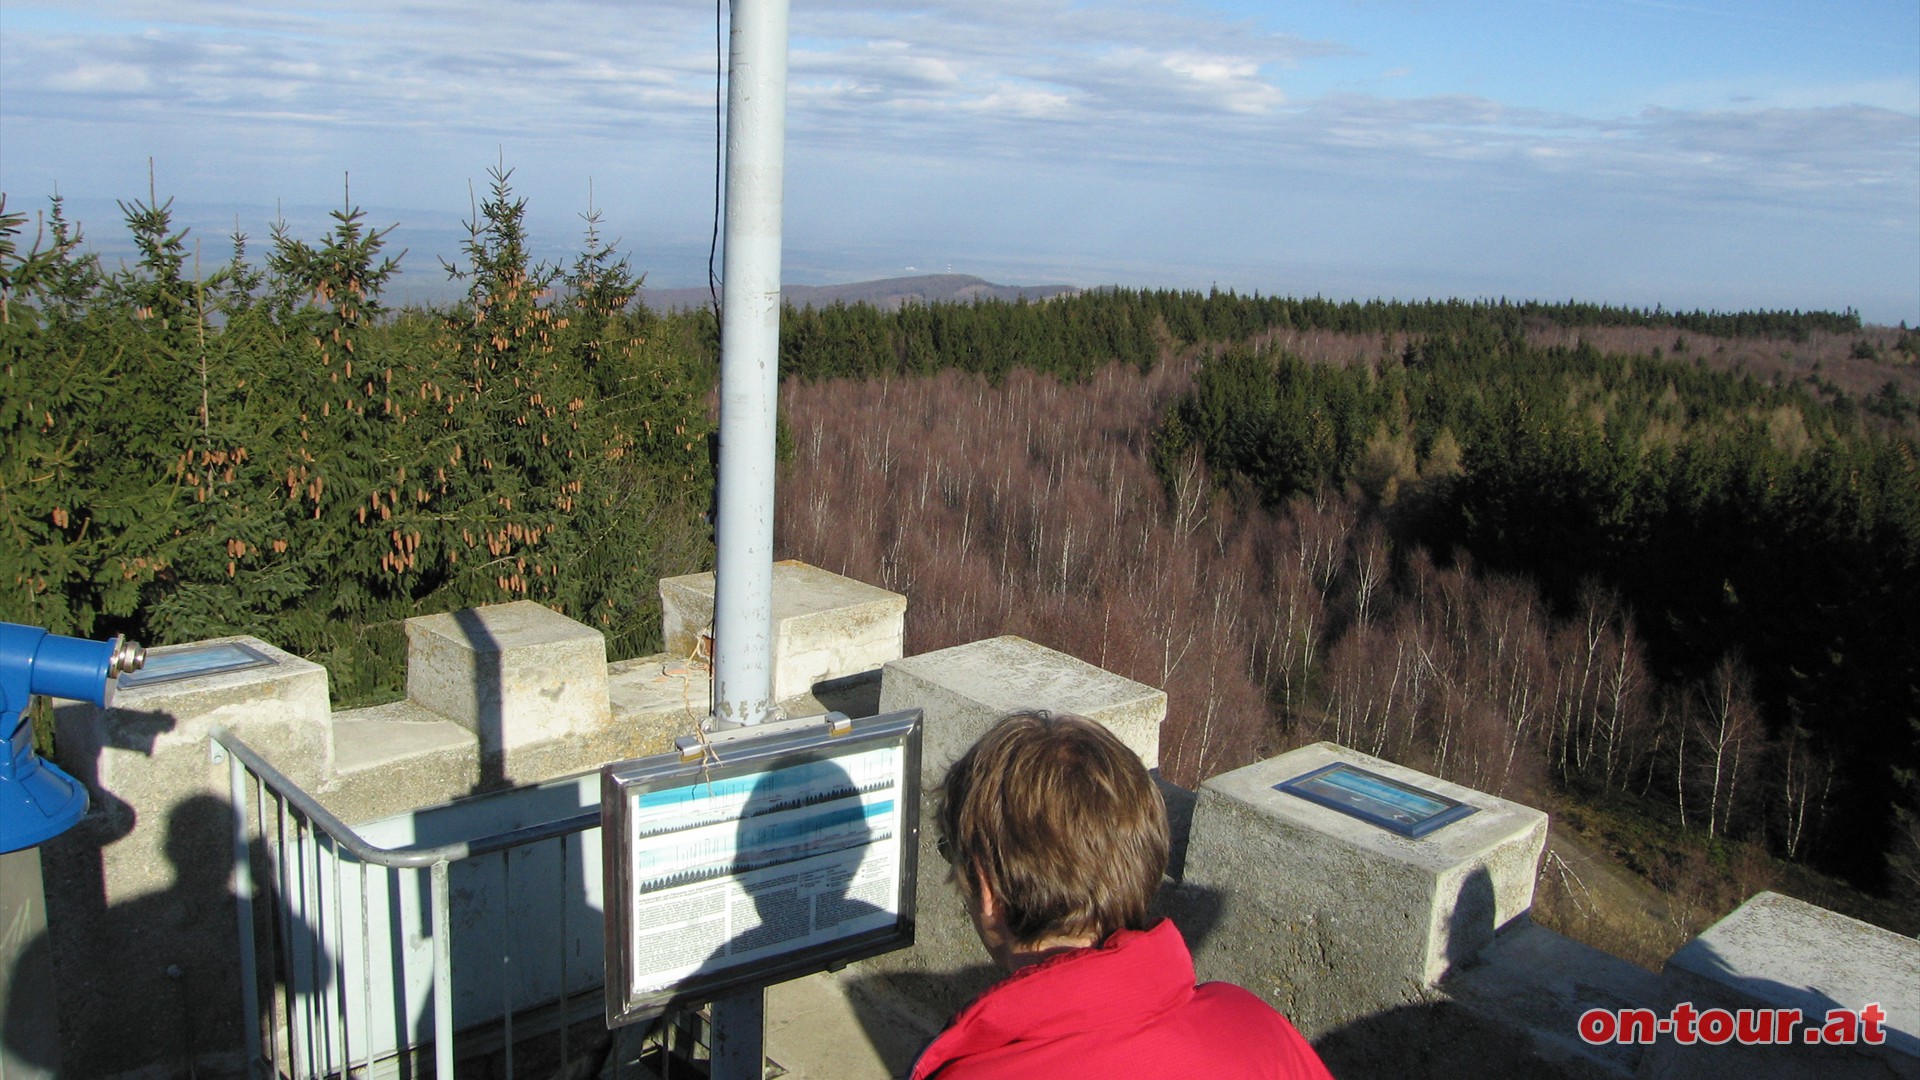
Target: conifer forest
x,y
1664,564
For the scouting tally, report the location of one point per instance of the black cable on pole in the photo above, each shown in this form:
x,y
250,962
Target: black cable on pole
x,y
713,244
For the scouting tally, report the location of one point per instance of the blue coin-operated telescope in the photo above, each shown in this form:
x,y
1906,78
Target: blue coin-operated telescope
x,y
37,800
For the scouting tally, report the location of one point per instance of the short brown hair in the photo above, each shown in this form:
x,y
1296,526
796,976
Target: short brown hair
x,y
1062,821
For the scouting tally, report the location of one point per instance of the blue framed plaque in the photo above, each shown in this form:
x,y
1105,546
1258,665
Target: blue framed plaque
x,y
1389,804
192,661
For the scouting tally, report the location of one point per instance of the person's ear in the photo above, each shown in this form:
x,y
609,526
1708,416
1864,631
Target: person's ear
x,y
983,895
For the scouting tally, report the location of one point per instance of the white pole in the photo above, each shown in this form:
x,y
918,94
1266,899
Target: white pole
x,y
749,404
749,363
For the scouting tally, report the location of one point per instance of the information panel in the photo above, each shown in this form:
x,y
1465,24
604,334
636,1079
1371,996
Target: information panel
x,y
1394,806
762,855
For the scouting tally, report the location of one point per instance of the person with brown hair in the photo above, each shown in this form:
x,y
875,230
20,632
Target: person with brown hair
x,y
1057,838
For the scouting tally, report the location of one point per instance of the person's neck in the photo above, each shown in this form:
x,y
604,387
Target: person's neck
x,y
1045,949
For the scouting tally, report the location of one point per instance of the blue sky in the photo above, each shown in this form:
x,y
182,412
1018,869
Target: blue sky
x,y
1694,153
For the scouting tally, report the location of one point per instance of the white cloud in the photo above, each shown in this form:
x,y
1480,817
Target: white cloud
x,y
94,77
1176,100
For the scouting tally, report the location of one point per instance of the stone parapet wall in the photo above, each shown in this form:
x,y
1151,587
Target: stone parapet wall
x,y
1399,957
141,916
825,626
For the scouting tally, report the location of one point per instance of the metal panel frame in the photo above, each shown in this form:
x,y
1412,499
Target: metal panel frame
x,y
745,752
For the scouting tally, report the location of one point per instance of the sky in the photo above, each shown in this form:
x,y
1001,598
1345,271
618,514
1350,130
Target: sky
x,y
1715,154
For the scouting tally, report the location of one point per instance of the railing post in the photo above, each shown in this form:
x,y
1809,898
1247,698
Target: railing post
x,y
307,925
243,912
442,975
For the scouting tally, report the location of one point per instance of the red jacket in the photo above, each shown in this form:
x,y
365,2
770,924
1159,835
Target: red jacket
x,y
1128,1008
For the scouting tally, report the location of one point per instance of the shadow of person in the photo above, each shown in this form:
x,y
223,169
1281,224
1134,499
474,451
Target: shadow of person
x,y
66,873
84,733
812,864
183,937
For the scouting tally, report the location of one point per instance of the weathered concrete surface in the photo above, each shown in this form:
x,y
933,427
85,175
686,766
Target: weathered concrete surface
x,y
1776,952
514,674
29,1012
394,756
827,1027
970,686
825,626
963,690
660,686
140,915
151,746
1330,918
1537,983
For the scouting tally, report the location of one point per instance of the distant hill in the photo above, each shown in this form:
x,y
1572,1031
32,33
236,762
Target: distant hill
x,y
887,294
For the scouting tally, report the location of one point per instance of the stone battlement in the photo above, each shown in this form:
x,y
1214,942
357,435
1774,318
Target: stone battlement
x,y
1399,956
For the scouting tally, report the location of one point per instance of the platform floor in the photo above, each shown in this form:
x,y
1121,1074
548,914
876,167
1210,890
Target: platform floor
x,y
821,1028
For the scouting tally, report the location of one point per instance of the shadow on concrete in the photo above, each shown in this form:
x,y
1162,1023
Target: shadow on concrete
x,y
83,734
1735,991
898,1034
1470,925
856,695
509,954
183,935
1434,1038
1195,909
489,695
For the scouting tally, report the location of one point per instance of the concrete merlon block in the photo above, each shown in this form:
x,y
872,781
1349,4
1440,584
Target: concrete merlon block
x,y
283,707
1427,904
825,626
1775,952
686,612
966,688
289,690
513,674
963,690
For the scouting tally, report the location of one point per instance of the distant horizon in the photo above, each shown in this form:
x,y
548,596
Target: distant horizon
x,y
1707,155
426,237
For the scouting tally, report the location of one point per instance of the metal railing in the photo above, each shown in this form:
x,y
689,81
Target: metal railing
x,y
348,933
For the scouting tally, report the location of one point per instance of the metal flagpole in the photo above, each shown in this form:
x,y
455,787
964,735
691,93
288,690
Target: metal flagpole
x,y
749,390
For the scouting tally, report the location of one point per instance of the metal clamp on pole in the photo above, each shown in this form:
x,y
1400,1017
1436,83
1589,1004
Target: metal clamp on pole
x,y
695,747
